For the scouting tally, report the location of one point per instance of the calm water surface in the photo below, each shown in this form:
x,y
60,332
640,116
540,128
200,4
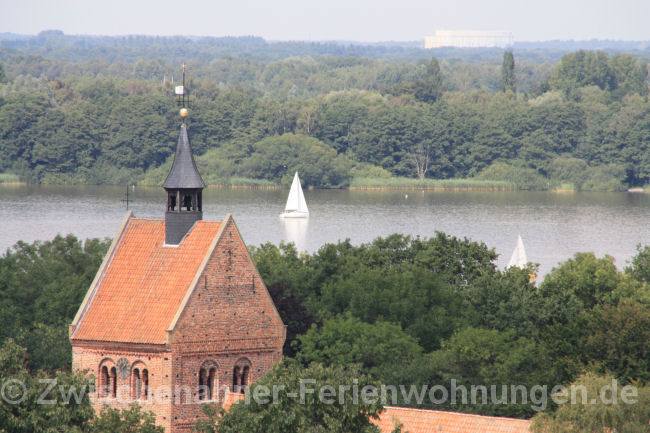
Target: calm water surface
x,y
554,226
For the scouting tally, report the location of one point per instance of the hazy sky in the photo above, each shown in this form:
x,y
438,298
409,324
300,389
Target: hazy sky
x,y
359,20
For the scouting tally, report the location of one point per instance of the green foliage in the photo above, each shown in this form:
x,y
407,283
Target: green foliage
x,y
29,414
3,74
382,349
404,182
427,89
289,415
607,412
488,357
508,79
568,170
605,178
640,266
131,420
277,158
579,283
522,177
619,74
410,282
41,287
9,178
474,323
106,122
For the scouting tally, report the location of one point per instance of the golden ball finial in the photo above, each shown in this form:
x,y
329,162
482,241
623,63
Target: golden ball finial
x,y
184,113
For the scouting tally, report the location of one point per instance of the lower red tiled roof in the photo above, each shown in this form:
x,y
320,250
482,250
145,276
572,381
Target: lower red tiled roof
x,y
144,283
435,421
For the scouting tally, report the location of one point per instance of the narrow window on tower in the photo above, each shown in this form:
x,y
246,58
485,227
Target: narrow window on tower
x,y
187,202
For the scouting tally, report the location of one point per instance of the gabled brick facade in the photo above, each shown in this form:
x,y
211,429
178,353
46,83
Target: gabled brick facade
x,y
161,320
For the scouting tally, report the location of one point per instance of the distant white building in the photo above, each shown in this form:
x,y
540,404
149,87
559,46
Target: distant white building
x,y
468,39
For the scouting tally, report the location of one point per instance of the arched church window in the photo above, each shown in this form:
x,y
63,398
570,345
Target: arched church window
x,y
244,378
113,386
236,377
145,383
212,384
241,375
136,383
202,384
104,381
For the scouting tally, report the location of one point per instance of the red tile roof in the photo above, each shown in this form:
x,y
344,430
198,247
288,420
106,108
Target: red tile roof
x,y
435,421
143,284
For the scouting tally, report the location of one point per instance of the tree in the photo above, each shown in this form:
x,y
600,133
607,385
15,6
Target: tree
x,y
314,414
602,411
508,78
22,409
3,75
41,287
285,274
130,420
277,158
420,154
640,266
474,356
582,282
382,348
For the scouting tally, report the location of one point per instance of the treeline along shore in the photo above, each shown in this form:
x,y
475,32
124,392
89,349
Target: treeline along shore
x,y
75,111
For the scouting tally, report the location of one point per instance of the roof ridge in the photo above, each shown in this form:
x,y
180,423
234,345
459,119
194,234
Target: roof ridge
x,y
456,413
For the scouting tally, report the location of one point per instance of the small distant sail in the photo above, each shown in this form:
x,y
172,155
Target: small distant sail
x,y
296,205
518,258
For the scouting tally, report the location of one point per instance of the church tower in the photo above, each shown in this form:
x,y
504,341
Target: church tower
x,y
184,184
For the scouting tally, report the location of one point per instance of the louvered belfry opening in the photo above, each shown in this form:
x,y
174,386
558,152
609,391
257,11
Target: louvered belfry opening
x,y
184,187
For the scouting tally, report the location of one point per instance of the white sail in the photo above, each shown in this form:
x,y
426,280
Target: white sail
x,y
518,258
296,204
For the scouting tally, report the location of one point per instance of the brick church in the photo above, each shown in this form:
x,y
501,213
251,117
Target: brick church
x,y
177,314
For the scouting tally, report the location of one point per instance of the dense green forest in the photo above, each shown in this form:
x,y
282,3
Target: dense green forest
x,y
102,111
399,310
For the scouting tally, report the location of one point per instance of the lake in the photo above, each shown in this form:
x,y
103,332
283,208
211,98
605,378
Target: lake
x,y
553,226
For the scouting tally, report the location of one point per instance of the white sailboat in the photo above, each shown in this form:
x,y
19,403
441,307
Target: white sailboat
x,y
296,205
518,258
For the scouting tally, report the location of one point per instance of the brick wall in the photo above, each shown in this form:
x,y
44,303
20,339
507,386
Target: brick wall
x,y
156,360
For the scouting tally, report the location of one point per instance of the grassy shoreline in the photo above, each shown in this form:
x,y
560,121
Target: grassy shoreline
x,y
401,183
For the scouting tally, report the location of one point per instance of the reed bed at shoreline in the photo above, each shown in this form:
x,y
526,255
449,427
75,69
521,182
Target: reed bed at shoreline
x,y
432,184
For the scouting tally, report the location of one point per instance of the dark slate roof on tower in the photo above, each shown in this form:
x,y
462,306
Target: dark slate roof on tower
x,y
183,173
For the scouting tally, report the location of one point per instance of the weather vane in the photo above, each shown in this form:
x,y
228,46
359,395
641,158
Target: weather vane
x,y
183,97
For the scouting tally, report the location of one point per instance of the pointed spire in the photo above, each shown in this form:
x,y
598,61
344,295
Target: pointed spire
x,y
184,173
